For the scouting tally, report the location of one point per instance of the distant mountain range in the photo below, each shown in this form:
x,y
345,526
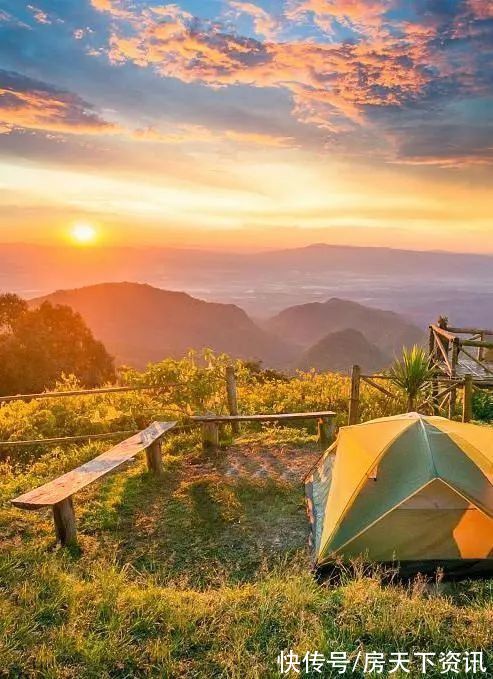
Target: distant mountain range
x,y
308,324
139,324
420,285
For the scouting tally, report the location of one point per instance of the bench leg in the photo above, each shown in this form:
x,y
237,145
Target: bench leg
x,y
210,436
64,519
326,432
154,458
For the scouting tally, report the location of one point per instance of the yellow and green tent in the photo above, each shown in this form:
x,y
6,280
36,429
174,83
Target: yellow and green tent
x,y
410,489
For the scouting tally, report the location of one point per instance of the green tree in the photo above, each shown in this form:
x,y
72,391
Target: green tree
x,y
411,373
12,307
39,345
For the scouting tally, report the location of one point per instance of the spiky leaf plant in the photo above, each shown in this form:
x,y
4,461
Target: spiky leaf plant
x,y
411,373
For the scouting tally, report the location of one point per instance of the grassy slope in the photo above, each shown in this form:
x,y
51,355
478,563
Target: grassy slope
x,y
197,575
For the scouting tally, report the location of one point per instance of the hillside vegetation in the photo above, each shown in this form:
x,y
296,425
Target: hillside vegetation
x,y
204,572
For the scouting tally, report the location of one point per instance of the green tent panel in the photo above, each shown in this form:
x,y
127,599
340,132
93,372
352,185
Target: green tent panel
x,y
408,489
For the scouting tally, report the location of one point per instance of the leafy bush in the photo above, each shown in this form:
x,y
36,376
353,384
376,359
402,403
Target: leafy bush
x,y
191,385
482,406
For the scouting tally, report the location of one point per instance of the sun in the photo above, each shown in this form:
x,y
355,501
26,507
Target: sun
x,y
83,233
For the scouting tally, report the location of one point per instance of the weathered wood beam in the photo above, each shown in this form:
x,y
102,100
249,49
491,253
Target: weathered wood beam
x,y
444,401
434,396
272,417
446,391
455,356
64,520
444,353
82,392
373,384
445,333
474,343
354,401
452,403
478,362
232,397
467,401
210,436
377,377
431,342
471,331
154,458
326,432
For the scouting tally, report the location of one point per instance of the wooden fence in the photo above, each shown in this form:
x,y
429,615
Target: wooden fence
x,y
325,433
442,390
231,398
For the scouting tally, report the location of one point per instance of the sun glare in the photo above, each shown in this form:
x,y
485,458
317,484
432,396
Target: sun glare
x,y
83,234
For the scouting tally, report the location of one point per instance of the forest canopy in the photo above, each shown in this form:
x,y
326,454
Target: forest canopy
x,y
39,345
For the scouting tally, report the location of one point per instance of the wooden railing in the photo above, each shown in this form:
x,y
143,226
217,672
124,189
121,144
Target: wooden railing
x,y
448,345
436,395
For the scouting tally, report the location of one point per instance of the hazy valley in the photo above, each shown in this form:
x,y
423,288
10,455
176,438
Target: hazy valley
x,y
419,285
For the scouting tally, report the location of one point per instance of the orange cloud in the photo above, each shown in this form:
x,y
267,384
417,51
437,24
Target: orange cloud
x,y
30,104
327,81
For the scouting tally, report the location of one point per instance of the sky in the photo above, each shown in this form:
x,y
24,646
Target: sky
x,y
236,125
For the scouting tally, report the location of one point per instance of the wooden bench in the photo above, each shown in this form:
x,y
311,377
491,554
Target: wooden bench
x,y
58,494
210,424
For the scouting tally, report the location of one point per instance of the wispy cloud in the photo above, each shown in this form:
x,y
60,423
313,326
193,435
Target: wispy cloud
x,y
264,23
40,16
190,134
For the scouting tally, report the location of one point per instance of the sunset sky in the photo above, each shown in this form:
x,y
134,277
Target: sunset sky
x,y
232,124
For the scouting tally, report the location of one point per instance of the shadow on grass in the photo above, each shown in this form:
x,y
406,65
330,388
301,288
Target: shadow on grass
x,y
196,528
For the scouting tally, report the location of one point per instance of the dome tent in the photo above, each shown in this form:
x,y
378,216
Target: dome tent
x,y
410,489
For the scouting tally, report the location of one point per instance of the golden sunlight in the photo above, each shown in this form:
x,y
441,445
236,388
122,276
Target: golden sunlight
x,y
83,233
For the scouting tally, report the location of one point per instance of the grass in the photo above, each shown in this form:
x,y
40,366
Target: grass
x,y
199,575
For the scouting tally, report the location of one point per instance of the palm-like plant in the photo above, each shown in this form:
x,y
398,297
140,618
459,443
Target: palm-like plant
x,y
411,373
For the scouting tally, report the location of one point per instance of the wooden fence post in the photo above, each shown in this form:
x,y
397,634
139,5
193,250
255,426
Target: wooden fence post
x,y
64,519
432,350
455,356
434,396
232,396
452,404
154,458
467,403
354,402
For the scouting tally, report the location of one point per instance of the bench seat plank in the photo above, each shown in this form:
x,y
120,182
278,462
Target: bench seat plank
x,y
64,486
273,417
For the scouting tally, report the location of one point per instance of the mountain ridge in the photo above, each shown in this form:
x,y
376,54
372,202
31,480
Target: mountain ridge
x,y
338,351
140,323
307,324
